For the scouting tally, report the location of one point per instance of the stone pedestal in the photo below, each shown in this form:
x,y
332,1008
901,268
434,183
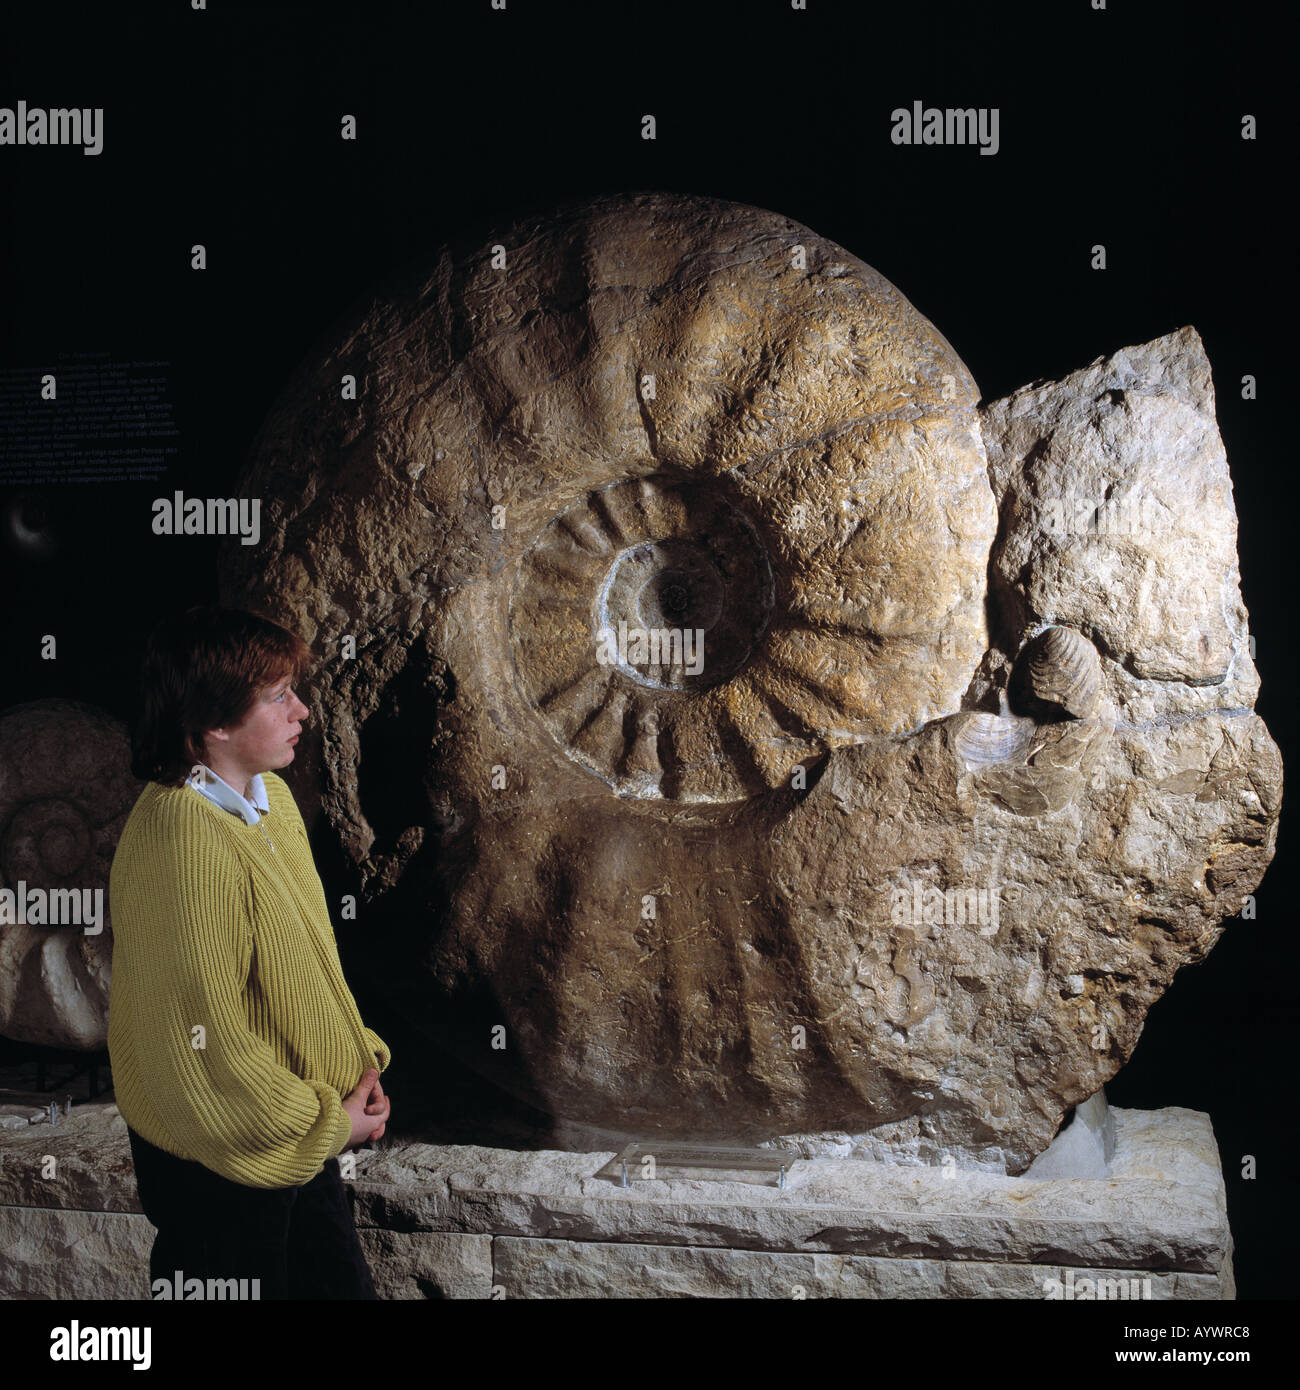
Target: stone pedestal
x,y
462,1221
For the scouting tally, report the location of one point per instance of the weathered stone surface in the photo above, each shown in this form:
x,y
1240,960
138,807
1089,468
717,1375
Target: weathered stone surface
x,y
92,1168
19,1116
527,1268
1118,520
52,1254
49,1253
454,1221
1161,1207
876,870
65,792
424,1264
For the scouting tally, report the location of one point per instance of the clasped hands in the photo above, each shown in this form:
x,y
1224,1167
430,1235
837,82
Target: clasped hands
x,y
368,1108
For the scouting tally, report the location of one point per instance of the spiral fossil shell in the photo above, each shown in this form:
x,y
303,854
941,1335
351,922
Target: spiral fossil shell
x,y
65,792
674,414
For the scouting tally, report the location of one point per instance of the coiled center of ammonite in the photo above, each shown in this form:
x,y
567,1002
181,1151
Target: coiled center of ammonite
x,y
644,592
682,612
673,595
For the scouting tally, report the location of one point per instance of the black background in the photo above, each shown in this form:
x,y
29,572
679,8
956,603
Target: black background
x,y
1119,126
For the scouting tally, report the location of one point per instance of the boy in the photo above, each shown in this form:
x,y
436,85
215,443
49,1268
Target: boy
x,y
240,1061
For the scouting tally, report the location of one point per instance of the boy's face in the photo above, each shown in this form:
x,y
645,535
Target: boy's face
x,y
266,738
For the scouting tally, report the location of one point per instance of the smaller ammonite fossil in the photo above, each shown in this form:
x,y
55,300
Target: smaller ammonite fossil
x,y
65,791
1058,673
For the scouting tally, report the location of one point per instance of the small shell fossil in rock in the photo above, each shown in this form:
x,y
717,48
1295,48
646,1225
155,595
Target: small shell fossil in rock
x,y
1059,669
980,739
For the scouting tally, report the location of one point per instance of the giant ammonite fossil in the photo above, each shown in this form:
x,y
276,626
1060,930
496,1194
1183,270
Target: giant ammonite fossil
x,y
708,767
65,792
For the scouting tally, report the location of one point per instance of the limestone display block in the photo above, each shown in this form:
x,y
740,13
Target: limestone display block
x,y
1160,1210
465,1221
48,1253
91,1169
567,1269
429,1264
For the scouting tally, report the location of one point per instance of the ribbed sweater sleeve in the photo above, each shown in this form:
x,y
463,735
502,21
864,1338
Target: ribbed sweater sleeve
x,y
228,1103
382,1054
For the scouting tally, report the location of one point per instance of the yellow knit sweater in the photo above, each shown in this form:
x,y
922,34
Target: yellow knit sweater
x,y
214,930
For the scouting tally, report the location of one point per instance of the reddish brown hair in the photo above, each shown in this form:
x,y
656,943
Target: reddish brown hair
x,y
203,670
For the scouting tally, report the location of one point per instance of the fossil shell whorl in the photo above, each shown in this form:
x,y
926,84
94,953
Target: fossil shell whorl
x,y
656,392
65,792
680,411
1058,672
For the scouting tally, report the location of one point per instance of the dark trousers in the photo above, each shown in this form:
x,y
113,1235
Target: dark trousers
x,y
300,1242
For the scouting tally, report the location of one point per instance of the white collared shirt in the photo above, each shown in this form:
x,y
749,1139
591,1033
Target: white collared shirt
x,y
250,810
